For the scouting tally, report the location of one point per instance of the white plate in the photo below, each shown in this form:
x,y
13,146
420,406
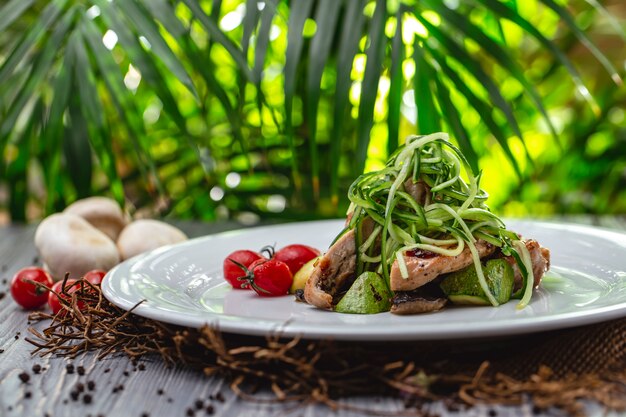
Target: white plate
x,y
183,284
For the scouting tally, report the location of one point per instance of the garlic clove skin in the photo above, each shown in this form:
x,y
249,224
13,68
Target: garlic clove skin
x,y
145,235
102,213
67,243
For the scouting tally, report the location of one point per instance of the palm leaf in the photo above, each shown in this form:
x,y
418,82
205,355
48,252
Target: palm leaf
x,y
482,108
295,42
510,14
427,113
352,23
250,20
123,101
465,26
584,39
30,38
93,112
165,14
161,49
38,72
146,65
218,36
395,86
615,24
53,129
371,77
326,16
453,119
464,58
206,68
76,150
17,169
260,52
12,11
263,40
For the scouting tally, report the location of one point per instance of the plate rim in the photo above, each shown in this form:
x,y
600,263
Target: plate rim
x,y
524,325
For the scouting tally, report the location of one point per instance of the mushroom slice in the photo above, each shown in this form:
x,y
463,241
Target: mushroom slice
x,y
422,300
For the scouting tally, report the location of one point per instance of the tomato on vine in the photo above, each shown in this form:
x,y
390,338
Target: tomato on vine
x,y
268,277
26,292
233,266
295,256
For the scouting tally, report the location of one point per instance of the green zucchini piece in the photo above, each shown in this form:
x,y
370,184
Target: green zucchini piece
x,y
462,287
367,295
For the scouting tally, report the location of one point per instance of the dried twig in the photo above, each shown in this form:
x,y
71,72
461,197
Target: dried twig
x,y
324,371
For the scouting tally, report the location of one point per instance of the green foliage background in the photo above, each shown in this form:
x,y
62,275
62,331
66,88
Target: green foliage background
x,y
247,109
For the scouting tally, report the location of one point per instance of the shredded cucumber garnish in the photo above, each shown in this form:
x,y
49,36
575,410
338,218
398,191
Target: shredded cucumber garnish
x,y
427,197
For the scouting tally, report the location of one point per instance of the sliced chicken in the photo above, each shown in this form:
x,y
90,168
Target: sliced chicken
x,y
335,271
331,272
424,266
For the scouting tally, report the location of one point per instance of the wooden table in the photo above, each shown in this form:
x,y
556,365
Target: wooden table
x,y
121,389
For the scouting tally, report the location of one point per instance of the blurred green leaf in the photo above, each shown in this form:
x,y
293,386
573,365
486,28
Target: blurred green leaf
x,y
150,31
453,119
326,16
506,13
218,36
427,114
77,151
122,99
369,86
481,107
584,39
53,131
295,42
92,111
395,85
11,11
352,21
470,31
464,58
38,72
285,99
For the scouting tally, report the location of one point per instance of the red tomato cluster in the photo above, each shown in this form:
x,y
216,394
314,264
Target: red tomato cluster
x,y
32,287
267,276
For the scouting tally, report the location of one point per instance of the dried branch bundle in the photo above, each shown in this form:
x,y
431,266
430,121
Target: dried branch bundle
x,y
494,372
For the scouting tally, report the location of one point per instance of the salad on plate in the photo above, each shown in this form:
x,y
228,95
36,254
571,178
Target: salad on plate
x,y
418,236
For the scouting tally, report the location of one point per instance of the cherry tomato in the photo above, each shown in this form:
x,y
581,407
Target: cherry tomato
x,y
232,271
269,277
27,294
295,256
94,276
53,300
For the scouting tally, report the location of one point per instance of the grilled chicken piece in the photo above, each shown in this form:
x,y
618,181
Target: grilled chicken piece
x,y
540,259
425,266
335,271
331,272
